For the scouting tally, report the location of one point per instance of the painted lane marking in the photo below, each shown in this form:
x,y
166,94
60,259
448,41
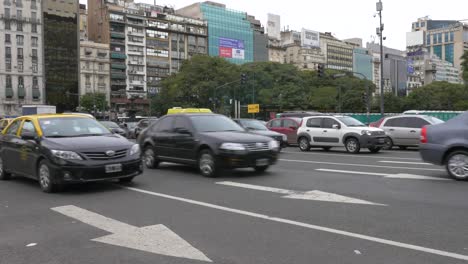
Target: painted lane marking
x,y
348,155
386,175
315,195
403,162
305,225
357,165
156,239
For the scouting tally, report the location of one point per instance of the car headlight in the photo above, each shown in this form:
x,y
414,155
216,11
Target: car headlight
x,y
285,138
135,150
66,155
273,144
232,146
366,132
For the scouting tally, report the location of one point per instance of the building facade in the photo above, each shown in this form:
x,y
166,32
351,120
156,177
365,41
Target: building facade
x,y
61,53
231,34
260,40
94,68
83,22
338,54
147,44
21,68
302,56
362,63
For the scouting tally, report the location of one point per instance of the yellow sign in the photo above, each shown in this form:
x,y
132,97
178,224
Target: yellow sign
x,y
253,108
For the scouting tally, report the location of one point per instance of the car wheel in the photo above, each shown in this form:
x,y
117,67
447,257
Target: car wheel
x,y
46,178
4,175
352,145
207,164
374,149
149,158
403,147
326,148
388,144
457,165
304,144
126,180
261,169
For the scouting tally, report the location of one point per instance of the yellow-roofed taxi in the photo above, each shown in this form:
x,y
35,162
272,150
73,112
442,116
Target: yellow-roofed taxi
x,y
57,149
179,110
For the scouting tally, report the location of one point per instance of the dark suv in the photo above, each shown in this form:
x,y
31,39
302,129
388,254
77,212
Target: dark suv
x,y
209,141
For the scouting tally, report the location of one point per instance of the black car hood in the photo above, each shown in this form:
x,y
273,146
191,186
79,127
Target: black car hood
x,y
235,137
108,142
267,133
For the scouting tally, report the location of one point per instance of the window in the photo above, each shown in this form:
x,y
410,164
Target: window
x,y
7,12
19,3
8,81
88,79
20,66
438,51
415,122
181,122
33,16
19,40
19,14
8,64
449,53
33,4
87,65
7,24
19,26
446,35
101,67
13,129
288,123
328,123
314,122
35,82
275,123
34,41
34,54
452,36
34,28
7,38
165,125
20,81
395,122
20,53
34,67
28,127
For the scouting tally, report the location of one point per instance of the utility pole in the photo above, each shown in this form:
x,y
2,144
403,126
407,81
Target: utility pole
x,y
382,81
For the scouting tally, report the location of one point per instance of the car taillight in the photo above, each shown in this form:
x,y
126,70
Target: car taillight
x,y
424,135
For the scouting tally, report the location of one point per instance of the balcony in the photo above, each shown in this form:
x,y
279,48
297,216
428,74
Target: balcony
x,y
135,62
119,66
101,85
115,55
9,92
117,35
136,82
118,76
36,93
116,82
134,52
136,72
117,41
135,33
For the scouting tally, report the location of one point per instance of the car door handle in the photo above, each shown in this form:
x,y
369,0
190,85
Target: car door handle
x,y
391,129
325,131
413,131
308,130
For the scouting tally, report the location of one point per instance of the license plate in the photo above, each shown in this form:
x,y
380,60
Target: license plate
x,y
262,162
113,168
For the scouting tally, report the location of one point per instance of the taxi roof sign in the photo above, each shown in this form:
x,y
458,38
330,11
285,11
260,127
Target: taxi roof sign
x,y
179,110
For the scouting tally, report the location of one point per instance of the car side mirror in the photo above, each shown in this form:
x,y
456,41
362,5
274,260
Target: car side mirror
x,y
29,136
336,126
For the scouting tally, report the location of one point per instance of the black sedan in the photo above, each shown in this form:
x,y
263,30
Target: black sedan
x,y
208,141
257,127
61,149
114,128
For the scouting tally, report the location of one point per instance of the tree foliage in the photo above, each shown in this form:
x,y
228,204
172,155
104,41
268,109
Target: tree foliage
x,y
215,83
465,67
93,102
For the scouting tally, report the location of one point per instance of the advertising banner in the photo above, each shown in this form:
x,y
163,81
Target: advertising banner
x,y
231,48
310,38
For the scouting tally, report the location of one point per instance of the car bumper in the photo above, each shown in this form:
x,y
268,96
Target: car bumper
x,y
94,173
432,153
248,160
372,141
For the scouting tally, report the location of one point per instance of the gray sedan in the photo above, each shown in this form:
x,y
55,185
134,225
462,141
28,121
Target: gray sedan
x,y
447,144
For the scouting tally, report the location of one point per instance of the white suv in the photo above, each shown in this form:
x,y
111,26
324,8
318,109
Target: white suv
x,y
336,131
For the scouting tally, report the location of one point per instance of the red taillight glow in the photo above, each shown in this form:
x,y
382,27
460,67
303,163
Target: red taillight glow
x,y
424,135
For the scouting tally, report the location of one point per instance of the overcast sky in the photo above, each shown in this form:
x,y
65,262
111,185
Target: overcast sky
x,y
345,18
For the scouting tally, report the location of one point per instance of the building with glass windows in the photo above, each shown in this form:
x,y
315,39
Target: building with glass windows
x,y
147,44
21,67
445,39
338,54
231,34
61,53
362,63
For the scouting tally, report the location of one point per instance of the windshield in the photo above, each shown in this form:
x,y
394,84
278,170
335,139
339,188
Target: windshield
x,y
110,124
214,123
434,120
350,122
253,125
72,127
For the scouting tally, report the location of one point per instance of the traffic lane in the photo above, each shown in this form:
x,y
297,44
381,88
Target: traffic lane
x,y
222,236
409,153
407,217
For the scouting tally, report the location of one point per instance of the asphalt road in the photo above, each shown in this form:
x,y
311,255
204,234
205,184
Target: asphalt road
x,y
315,207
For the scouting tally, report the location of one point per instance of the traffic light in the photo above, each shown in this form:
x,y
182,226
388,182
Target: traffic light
x,y
364,98
321,70
243,78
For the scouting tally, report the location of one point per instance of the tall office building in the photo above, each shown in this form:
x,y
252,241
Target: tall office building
x,y
83,22
21,66
147,44
339,54
231,34
362,63
61,53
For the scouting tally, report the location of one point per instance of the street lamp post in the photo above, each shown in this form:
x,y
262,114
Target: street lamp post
x,y
380,32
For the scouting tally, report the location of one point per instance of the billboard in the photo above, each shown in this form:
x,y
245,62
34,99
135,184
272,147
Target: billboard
x,y
231,48
310,38
414,38
274,26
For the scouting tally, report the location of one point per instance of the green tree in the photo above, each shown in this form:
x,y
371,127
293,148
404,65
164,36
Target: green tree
x,y
393,103
94,102
438,96
465,67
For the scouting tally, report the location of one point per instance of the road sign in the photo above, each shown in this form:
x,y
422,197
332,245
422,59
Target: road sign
x,y
253,108
156,239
